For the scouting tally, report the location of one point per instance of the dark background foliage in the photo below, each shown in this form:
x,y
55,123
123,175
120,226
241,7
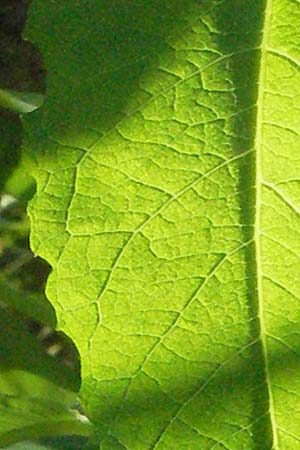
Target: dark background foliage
x,y
21,69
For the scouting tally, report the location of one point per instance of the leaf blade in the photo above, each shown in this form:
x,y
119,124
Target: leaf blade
x,y
169,215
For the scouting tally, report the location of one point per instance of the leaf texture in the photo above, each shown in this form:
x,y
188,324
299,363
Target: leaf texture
x,y
167,164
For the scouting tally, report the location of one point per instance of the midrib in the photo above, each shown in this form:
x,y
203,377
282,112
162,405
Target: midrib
x,y
258,203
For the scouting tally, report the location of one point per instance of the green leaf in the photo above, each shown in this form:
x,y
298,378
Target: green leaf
x,y
21,102
10,131
36,394
29,418
61,443
167,164
32,306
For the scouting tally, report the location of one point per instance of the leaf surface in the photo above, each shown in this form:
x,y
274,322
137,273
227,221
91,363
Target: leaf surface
x,y
168,199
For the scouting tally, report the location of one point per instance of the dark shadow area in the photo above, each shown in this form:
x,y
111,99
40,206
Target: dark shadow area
x,y
21,69
242,23
11,139
13,16
21,65
96,56
65,443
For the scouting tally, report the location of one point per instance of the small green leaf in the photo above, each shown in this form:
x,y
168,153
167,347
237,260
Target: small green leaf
x,y
32,306
20,102
36,393
61,443
29,418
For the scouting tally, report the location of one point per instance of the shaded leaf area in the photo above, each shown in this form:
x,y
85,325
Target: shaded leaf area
x,y
10,131
61,443
163,207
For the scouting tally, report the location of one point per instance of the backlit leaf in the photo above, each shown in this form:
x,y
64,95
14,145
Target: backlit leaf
x,y
168,199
